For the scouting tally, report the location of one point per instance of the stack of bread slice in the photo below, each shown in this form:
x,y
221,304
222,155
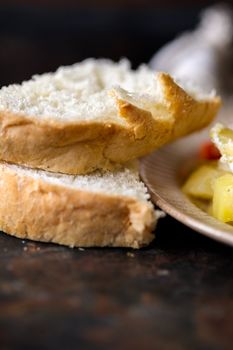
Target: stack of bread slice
x,y
68,141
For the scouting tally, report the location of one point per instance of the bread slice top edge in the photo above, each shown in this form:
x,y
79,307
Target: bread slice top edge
x,y
128,124
122,182
80,92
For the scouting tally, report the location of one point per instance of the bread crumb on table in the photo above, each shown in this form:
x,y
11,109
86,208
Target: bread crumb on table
x,y
130,255
163,272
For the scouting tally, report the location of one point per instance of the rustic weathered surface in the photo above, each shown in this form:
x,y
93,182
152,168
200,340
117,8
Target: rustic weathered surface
x,y
176,294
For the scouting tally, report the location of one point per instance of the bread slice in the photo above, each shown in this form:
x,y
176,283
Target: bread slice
x,y
95,115
100,209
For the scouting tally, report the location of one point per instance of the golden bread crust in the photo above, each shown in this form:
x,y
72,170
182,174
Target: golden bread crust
x,y
81,147
31,208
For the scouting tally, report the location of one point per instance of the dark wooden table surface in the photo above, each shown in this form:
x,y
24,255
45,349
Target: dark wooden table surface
x,y
175,294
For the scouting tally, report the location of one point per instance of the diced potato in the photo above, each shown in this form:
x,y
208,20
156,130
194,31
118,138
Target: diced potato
x,y
223,198
200,182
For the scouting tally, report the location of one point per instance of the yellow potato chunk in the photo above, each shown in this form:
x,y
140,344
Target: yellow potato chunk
x,y
223,198
200,182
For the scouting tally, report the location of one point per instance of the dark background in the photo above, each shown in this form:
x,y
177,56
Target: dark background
x,y
174,295
38,36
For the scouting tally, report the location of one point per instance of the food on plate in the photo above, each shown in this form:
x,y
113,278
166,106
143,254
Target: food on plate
x,y
223,198
200,183
68,140
212,182
208,151
223,139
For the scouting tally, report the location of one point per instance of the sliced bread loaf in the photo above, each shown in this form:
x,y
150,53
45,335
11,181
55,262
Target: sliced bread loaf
x,y
95,115
99,209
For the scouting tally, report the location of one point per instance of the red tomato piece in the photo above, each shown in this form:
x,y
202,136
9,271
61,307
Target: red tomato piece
x,y
208,151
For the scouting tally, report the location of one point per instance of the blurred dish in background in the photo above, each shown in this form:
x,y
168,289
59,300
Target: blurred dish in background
x,y
204,55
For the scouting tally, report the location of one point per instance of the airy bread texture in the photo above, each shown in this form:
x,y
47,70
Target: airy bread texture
x,y
96,115
101,209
